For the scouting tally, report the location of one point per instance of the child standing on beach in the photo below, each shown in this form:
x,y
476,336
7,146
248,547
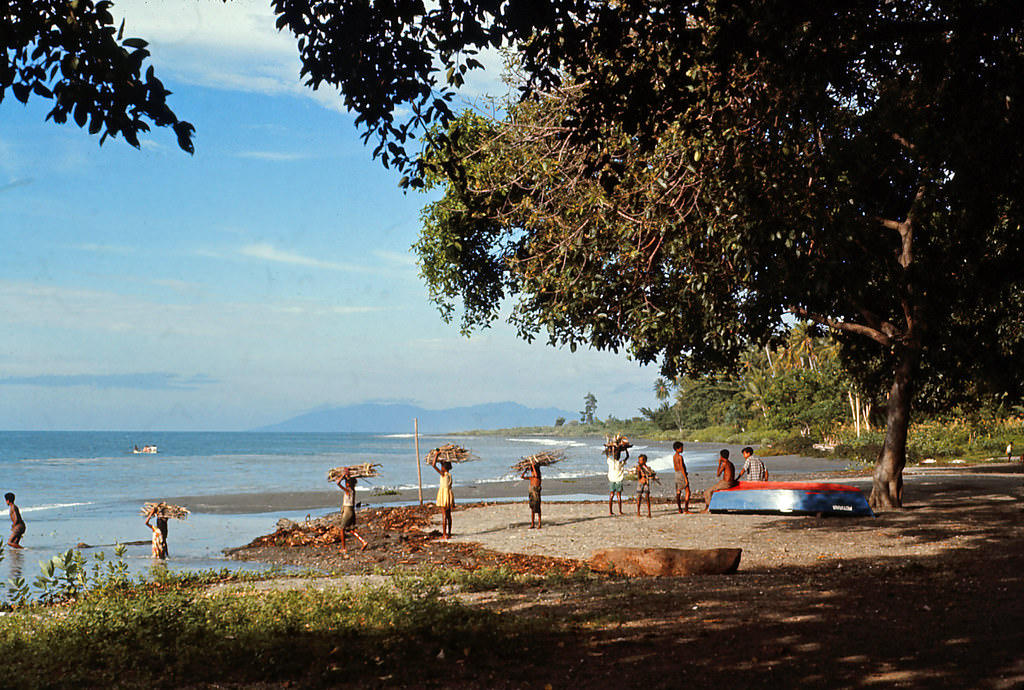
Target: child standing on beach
x,y
17,523
682,479
445,497
616,474
347,483
533,474
643,483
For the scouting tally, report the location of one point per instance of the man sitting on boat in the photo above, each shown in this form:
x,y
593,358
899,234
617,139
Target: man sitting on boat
x,y
753,468
727,472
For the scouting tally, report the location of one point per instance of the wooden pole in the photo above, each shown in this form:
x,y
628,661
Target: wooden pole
x,y
419,470
856,412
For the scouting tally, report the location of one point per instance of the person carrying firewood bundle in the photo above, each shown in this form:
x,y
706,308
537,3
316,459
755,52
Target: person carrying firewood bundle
x,y
347,483
644,473
445,497
159,546
533,474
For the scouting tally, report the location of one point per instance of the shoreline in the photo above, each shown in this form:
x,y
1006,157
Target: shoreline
x,y
593,487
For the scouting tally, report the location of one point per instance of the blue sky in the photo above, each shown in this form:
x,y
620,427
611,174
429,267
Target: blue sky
x,y
266,276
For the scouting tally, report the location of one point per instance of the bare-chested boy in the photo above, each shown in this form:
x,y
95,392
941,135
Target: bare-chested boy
x,y
643,483
727,472
17,523
682,479
533,474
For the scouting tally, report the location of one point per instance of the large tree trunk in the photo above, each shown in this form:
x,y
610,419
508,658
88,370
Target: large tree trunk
x,y
887,481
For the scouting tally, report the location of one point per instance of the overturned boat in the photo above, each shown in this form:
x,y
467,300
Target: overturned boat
x,y
819,498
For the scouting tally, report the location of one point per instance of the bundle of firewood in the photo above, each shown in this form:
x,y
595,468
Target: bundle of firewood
x,y
615,444
164,510
634,474
451,453
542,459
355,471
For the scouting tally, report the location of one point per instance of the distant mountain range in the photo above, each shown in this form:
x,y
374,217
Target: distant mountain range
x,y
397,418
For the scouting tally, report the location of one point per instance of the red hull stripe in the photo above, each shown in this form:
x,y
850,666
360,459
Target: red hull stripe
x,y
792,486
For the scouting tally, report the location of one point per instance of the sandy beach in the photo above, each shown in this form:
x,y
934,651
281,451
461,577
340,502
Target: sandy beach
x,y
939,518
924,597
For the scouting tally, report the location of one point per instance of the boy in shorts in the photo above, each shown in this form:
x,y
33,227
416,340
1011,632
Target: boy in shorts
x,y
682,479
643,483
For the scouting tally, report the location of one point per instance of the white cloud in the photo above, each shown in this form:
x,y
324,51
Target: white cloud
x,y
397,258
268,252
274,156
27,306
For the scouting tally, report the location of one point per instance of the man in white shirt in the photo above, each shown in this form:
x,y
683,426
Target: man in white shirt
x,y
616,473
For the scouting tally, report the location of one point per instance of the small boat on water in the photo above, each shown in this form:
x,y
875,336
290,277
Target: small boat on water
x,y
148,449
791,497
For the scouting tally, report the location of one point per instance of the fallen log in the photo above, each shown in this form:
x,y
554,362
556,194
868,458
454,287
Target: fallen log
x,y
636,562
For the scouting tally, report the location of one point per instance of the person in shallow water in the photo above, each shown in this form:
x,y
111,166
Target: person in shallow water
x,y
159,534
17,523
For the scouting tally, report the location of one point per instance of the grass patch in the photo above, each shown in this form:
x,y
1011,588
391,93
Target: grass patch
x,y
174,634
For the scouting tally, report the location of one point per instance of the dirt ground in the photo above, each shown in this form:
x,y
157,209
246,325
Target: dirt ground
x,y
929,596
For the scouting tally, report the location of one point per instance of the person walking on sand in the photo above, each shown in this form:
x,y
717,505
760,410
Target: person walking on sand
x,y
159,531
682,479
533,474
752,467
616,475
445,497
17,523
643,483
727,472
347,484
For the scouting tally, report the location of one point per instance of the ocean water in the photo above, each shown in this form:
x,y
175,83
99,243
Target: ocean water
x,y
88,488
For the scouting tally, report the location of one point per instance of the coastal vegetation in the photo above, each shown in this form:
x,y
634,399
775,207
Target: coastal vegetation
x,y
798,399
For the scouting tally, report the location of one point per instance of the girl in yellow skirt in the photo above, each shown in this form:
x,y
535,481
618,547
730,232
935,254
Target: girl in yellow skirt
x,y
445,497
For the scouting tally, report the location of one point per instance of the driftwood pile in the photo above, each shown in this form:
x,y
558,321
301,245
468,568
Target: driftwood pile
x,y
616,444
362,471
400,537
451,453
164,510
542,459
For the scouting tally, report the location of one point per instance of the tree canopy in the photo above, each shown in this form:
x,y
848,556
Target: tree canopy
x,y
859,167
69,51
